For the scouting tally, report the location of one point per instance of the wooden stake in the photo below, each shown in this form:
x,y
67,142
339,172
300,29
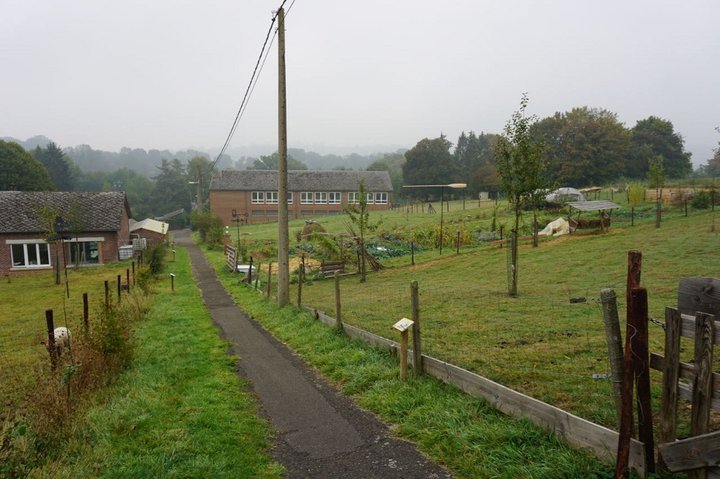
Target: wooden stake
x,y
671,373
172,282
417,341
133,272
608,298
51,338
119,288
403,355
269,284
107,295
641,369
127,279
338,305
301,277
86,316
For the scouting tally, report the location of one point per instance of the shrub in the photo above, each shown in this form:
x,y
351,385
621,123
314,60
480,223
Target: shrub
x,y
701,201
209,225
156,259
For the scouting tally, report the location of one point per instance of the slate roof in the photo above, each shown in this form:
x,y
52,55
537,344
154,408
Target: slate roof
x,y
300,180
19,210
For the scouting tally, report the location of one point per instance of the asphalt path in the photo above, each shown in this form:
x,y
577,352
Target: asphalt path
x,y
320,432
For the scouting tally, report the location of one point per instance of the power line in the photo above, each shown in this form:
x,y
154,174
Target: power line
x,y
251,84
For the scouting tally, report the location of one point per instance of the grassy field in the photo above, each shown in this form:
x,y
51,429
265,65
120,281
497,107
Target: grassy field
x,y
23,302
538,343
179,411
464,433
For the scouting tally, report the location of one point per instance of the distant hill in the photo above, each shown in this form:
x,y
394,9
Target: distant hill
x,y
30,143
144,162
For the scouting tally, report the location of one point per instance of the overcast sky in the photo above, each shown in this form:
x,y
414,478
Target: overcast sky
x,y
362,76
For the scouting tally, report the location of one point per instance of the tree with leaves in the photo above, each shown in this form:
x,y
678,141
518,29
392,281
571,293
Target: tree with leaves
x,y
655,136
359,216
656,179
58,165
393,164
270,162
429,162
713,164
20,171
475,162
522,170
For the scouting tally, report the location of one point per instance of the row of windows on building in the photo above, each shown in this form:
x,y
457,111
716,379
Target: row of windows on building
x,y
318,198
37,255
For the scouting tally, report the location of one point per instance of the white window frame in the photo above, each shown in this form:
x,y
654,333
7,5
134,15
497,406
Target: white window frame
x,y
258,197
306,198
353,197
381,198
37,244
271,197
290,197
334,197
321,197
370,198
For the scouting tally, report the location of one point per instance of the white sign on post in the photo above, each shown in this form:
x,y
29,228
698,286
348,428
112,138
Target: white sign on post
x,y
403,324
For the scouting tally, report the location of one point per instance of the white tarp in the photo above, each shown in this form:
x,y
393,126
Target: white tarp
x,y
558,227
563,195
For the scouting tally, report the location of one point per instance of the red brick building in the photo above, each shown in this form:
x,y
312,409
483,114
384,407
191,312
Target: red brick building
x,y
253,193
154,231
90,226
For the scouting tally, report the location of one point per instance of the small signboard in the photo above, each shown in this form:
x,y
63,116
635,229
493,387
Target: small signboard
x,y
403,324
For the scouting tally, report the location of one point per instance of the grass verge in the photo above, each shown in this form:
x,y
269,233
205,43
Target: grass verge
x,y
467,435
180,410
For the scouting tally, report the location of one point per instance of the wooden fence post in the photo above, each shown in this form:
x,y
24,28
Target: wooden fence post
x,y
172,282
338,304
702,382
671,374
86,317
412,253
107,295
269,284
641,369
403,355
127,279
608,298
51,338
119,288
133,272
457,244
301,277
417,341
257,276
250,271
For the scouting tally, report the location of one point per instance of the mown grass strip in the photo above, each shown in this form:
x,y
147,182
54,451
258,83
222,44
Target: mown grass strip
x,y
180,411
467,435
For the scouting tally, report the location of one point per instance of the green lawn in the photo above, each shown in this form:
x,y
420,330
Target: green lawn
x,y
464,433
179,411
538,343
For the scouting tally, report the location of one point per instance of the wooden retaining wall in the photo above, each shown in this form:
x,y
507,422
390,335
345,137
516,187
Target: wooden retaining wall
x,y
578,432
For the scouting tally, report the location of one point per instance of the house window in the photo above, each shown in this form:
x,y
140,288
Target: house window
x,y
290,197
306,198
84,252
381,198
334,198
320,198
370,198
271,197
258,197
30,255
353,197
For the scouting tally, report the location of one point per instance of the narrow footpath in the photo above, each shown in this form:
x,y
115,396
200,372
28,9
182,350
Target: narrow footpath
x,y
320,433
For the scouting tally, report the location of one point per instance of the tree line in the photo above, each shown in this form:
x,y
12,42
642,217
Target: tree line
x,y
581,147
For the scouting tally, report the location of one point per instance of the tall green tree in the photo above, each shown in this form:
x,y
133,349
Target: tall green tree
x,y
171,191
20,171
393,164
522,169
655,136
713,164
58,165
429,162
585,146
656,179
475,162
270,162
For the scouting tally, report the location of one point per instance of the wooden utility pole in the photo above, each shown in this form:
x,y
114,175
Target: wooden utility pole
x,y
283,291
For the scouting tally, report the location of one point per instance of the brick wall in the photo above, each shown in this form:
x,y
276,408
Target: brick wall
x,y
223,202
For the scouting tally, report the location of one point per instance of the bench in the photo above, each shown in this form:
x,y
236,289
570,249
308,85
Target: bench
x,y
328,268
